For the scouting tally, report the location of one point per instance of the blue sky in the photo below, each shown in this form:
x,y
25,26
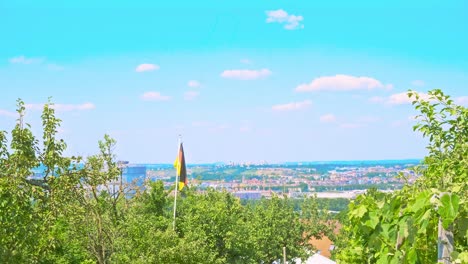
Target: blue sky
x,y
240,80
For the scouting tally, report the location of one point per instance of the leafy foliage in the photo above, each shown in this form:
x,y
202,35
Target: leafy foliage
x,y
80,212
401,227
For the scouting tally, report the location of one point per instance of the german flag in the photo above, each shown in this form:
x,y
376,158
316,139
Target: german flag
x,y
179,164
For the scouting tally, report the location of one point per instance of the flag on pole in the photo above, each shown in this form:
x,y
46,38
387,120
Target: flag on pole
x,y
179,164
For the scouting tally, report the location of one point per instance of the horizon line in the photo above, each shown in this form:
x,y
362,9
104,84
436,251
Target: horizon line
x,y
284,162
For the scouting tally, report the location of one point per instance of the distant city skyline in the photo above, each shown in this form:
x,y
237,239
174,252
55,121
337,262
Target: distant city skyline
x,y
241,81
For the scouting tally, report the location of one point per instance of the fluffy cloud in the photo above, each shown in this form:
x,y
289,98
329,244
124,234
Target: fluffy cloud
x,y
403,98
280,16
404,122
462,100
193,83
376,99
211,126
341,82
73,107
246,74
146,67
359,122
398,98
246,61
292,106
154,96
54,67
328,118
63,107
7,113
418,83
221,127
350,125
201,124
190,95
24,60
368,119
245,129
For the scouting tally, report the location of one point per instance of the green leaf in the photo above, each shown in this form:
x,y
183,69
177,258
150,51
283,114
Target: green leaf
x,y
360,211
448,209
412,256
456,188
421,201
463,257
373,220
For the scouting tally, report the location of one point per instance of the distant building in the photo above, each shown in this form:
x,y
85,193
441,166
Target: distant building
x,y
246,195
134,173
315,259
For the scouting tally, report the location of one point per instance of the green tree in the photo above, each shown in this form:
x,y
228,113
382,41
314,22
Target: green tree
x,y
277,225
219,219
402,227
80,213
31,208
19,228
101,202
148,236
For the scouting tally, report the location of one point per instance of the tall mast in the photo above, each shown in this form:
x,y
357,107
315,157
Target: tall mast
x,y
176,183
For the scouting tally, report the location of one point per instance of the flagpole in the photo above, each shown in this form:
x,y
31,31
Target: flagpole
x,y
176,187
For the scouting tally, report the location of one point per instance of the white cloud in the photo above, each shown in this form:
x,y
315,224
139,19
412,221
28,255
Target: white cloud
x,y
146,67
403,98
246,74
63,107
368,119
328,118
292,106
398,123
190,95
24,60
54,67
350,125
341,82
404,122
219,128
38,60
211,126
418,83
72,107
362,121
223,126
245,129
201,123
193,83
398,98
280,16
7,113
154,96
462,100
37,107
245,126
246,61
376,99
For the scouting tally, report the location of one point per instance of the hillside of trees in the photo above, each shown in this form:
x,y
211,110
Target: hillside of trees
x,y
80,213
410,225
